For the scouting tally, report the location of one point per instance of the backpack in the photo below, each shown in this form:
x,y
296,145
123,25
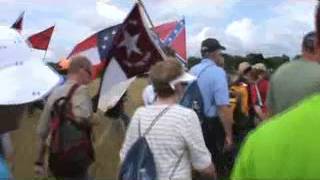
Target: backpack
x,y
71,151
193,99
139,162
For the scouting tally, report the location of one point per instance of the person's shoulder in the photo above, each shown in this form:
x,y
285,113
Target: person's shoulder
x,y
82,89
140,110
184,111
182,108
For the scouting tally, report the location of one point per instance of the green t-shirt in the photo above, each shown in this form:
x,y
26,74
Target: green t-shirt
x,y
291,83
287,147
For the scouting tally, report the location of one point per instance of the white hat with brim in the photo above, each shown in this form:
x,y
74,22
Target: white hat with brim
x,y
23,78
185,77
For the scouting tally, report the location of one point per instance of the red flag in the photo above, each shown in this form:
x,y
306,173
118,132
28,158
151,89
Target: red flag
x,y
42,39
133,52
173,34
17,25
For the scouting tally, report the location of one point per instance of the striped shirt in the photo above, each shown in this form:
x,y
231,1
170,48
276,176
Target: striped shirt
x,y
176,132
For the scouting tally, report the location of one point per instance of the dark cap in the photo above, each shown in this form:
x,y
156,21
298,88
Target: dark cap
x,y
308,42
210,45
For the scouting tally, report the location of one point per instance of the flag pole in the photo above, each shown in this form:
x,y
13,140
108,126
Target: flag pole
x,y
145,11
45,53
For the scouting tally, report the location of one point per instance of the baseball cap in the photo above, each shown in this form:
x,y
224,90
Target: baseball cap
x,y
210,45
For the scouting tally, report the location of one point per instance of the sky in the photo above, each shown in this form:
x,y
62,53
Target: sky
x,y
271,27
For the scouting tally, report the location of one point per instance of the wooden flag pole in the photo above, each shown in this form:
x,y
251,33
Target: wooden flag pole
x,y
145,11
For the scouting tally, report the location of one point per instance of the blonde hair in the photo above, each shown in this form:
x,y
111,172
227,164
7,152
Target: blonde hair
x,y
162,73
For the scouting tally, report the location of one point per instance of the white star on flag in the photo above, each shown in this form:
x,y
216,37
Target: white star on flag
x,y
130,42
106,38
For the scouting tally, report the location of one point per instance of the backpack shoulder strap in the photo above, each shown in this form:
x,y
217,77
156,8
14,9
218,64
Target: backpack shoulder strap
x,y
176,165
72,91
154,121
65,99
205,68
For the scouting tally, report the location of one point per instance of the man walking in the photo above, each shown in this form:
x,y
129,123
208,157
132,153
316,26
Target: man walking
x,y
212,81
70,151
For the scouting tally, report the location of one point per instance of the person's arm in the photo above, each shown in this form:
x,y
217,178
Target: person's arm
x,y
82,106
42,133
221,99
226,116
270,100
261,115
8,149
199,154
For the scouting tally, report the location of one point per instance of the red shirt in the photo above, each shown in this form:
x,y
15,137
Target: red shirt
x,y
262,86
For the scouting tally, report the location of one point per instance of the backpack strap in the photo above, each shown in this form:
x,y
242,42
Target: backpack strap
x,y
202,71
258,94
153,122
176,165
61,108
71,92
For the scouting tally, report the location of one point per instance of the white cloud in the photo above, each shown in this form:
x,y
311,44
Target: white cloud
x,y
281,34
198,9
111,12
242,29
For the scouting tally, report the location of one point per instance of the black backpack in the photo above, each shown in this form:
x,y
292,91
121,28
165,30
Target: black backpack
x,y
139,162
193,99
71,150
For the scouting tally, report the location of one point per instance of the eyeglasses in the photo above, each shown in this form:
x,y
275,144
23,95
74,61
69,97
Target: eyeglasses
x,y
88,71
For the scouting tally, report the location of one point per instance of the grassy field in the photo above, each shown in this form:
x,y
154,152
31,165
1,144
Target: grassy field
x,y
108,139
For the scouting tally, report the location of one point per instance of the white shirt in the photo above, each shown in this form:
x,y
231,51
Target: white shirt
x,y
177,131
148,95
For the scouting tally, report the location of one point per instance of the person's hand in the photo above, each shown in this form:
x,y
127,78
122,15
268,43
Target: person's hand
x,y
228,143
40,170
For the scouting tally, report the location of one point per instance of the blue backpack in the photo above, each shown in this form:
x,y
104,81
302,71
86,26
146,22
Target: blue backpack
x,y
193,99
139,162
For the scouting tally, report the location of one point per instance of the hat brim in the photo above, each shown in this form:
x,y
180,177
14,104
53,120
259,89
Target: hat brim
x,y
26,82
221,48
185,77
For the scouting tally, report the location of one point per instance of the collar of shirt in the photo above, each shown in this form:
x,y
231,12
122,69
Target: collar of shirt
x,y
208,61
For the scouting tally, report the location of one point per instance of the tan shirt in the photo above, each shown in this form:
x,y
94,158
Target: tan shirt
x,y
81,106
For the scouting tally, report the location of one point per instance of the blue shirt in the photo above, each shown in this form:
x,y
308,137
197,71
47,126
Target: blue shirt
x,y
213,86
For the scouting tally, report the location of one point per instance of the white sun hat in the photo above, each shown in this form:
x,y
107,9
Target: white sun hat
x,y
23,78
185,77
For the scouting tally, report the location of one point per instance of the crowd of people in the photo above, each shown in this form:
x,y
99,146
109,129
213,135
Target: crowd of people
x,y
248,124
